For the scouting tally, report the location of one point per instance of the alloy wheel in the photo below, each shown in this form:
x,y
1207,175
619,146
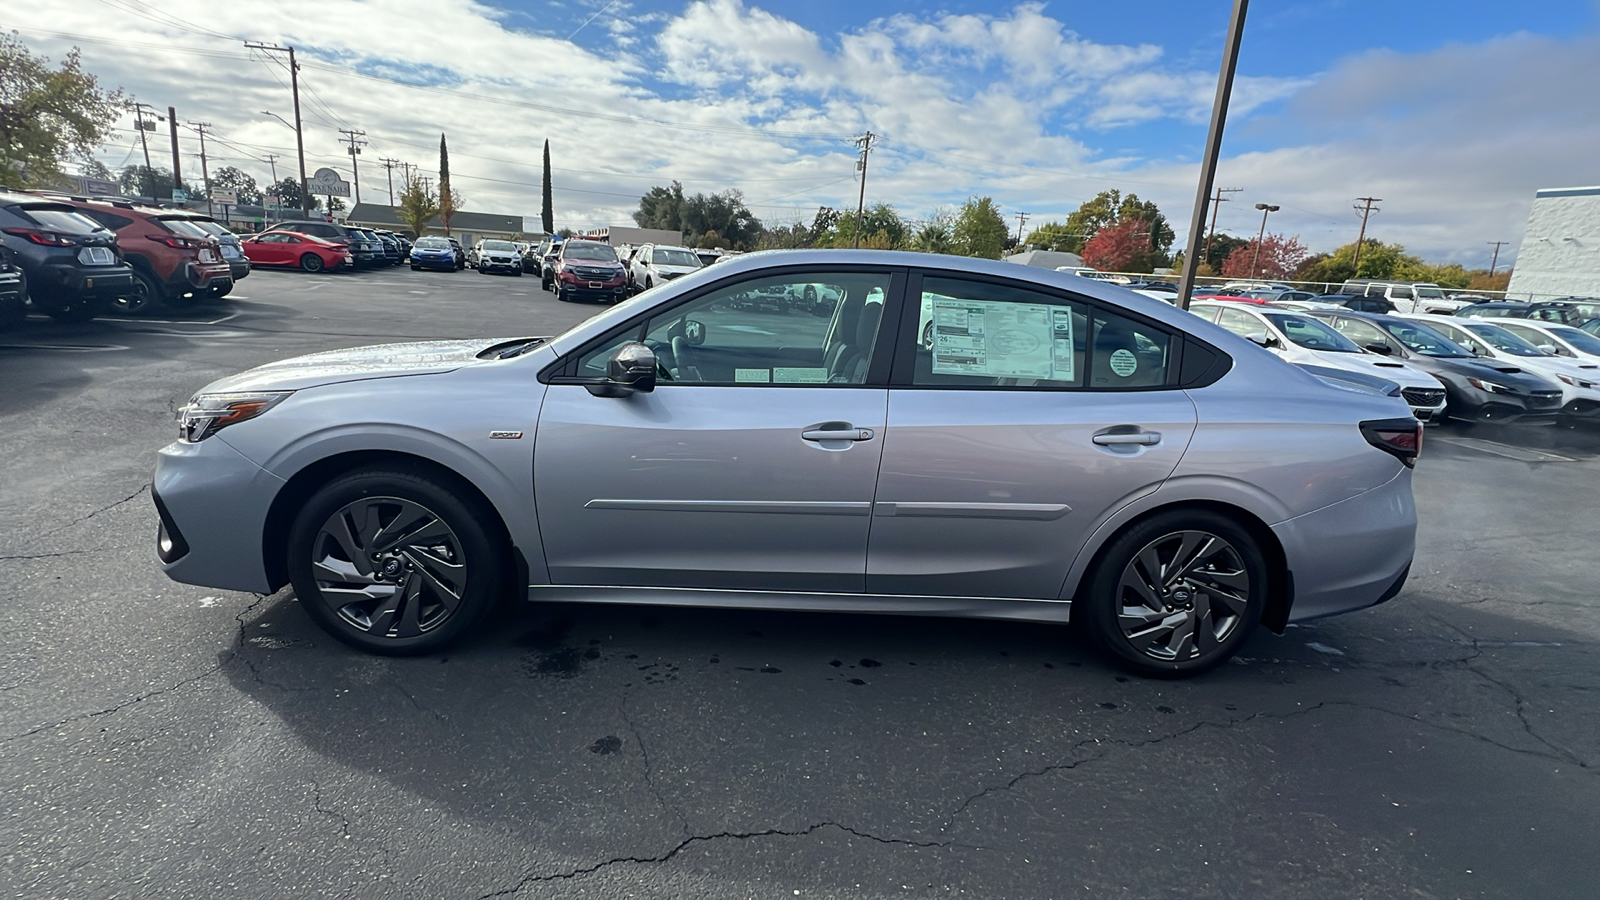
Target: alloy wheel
x,y
1182,596
389,567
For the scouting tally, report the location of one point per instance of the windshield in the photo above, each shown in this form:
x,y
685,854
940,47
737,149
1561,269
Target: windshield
x,y
1424,340
432,244
589,251
1307,332
1503,340
662,257
499,245
64,219
1430,293
1581,340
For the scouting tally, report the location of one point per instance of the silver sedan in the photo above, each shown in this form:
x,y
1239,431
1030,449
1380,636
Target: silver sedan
x,y
1060,447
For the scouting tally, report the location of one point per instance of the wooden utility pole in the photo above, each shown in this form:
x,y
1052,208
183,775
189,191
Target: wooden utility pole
x,y
865,143
139,123
1022,219
205,174
299,131
1366,209
1216,206
177,169
388,167
354,138
1208,167
1495,260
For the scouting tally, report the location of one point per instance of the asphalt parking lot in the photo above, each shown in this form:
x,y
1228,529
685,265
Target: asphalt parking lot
x,y
161,740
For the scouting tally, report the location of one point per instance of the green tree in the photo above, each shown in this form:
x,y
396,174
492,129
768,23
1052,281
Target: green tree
x,y
790,237
979,230
547,215
661,208
695,215
1054,236
1378,260
1222,246
449,197
880,218
239,182
418,205
48,115
1111,207
286,194
140,181
937,234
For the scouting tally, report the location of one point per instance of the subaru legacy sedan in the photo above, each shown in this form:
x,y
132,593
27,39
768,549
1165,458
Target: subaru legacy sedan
x,y
1061,448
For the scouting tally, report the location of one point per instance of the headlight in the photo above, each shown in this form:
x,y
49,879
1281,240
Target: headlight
x,y
208,414
1489,386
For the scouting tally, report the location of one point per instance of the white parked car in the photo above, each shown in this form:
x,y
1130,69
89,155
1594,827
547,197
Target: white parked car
x,y
1303,340
1579,381
654,264
1564,341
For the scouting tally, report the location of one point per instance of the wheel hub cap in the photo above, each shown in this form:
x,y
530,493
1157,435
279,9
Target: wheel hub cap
x,y
1182,596
364,557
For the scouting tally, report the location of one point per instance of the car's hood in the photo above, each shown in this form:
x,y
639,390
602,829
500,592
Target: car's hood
x,y
357,364
1394,370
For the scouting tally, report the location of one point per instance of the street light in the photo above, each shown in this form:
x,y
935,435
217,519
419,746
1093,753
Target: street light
x,y
1265,210
279,118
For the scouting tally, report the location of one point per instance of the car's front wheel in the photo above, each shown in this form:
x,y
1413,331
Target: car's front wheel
x,y
395,562
1177,594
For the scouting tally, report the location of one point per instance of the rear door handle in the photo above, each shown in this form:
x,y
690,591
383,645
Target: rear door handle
x,y
1146,438
836,431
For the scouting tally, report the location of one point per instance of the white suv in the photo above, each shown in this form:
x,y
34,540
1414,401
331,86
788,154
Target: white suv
x,y
654,264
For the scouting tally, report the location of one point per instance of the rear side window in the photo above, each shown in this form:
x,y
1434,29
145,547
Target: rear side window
x,y
64,219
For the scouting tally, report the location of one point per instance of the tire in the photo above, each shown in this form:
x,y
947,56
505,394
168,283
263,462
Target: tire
x,y
12,311
311,262
563,295
517,272
415,267
1186,622
145,298
415,597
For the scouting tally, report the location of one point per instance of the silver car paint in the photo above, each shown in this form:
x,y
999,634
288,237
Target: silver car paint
x,y
1272,440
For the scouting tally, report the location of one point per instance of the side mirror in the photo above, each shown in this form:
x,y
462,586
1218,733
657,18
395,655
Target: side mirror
x,y
1379,348
1262,339
1549,348
630,370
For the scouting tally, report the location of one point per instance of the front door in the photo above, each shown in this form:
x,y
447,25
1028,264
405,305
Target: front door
x,y
752,464
1012,435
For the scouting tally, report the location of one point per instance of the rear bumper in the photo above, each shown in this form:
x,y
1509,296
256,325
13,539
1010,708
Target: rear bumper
x,y
1352,554
64,282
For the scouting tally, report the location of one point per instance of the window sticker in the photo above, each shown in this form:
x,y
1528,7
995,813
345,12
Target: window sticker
x,y
799,375
1003,339
752,376
1124,363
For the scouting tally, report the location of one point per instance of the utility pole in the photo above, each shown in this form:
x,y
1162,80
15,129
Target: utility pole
x,y
1495,260
299,132
205,174
1216,206
388,168
1022,219
172,126
1208,167
353,137
865,143
1255,270
1366,210
139,123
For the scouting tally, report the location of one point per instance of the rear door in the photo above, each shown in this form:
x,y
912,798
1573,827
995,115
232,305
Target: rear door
x,y
1032,414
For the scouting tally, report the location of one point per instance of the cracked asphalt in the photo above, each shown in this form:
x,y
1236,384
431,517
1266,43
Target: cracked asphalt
x,y
162,740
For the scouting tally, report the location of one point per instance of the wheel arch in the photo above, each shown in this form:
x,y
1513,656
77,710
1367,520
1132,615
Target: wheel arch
x,y
1280,588
300,487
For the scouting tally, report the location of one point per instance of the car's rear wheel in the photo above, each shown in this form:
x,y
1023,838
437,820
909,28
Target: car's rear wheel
x,y
144,297
395,562
1176,594
311,262
12,310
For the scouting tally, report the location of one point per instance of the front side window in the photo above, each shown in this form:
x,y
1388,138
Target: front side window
x,y
750,334
1503,340
1360,332
1311,334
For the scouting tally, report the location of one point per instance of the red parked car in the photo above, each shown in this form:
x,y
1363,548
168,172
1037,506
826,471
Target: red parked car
x,y
290,248
175,263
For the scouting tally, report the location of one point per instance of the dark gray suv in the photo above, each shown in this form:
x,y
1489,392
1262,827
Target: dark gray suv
x,y
70,264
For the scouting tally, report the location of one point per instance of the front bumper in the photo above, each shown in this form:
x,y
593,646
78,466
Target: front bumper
x,y
1350,555
213,505
434,262
499,265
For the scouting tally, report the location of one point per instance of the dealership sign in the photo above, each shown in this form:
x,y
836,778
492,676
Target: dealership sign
x,y
328,183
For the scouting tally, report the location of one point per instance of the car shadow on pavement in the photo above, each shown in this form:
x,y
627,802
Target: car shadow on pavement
x,y
1382,740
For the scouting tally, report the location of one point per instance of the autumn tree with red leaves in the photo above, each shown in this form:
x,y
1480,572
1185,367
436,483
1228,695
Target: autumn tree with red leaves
x,y
1123,247
1280,256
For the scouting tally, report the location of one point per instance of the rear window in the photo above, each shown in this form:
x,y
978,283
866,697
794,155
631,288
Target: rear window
x,y
60,218
185,227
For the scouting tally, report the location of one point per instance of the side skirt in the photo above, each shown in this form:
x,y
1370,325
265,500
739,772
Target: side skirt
x,y
881,604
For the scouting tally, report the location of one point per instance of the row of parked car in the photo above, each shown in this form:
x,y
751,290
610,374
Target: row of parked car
x,y
1498,361
320,246
582,269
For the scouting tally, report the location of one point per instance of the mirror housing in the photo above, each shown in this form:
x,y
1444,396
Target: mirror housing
x,y
1262,339
1379,348
630,370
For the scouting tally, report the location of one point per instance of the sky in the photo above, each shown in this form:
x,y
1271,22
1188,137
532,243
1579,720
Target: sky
x,y
1453,112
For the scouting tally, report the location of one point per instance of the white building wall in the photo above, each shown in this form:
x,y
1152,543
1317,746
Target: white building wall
x,y
1560,253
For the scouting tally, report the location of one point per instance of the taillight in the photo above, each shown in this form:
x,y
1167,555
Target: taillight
x,y
47,238
177,243
1400,438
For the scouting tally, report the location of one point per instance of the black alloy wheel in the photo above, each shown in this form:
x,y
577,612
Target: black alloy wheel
x,y
143,298
311,262
1176,595
395,562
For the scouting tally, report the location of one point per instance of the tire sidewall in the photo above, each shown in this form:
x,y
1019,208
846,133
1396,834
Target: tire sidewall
x,y
306,264
1099,601
483,549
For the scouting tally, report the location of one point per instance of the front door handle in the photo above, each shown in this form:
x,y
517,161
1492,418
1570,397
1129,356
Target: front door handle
x,y
1144,438
836,431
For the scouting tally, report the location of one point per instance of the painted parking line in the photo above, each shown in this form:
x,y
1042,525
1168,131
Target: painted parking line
x,y
143,321
1521,454
66,348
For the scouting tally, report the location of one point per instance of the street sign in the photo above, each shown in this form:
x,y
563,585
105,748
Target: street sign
x,y
226,198
328,183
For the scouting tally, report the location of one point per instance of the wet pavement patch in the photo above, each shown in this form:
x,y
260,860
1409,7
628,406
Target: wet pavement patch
x,y
561,662
870,664
856,681
607,745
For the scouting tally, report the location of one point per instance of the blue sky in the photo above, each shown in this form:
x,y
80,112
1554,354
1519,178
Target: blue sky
x,y
1454,112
